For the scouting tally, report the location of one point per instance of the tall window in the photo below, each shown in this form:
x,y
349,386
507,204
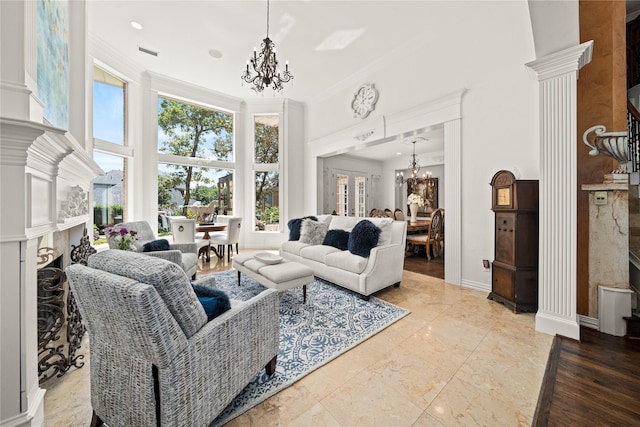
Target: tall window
x,y
195,171
342,194
110,148
266,168
361,188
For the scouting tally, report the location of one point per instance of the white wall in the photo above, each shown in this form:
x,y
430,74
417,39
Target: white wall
x,y
483,48
555,24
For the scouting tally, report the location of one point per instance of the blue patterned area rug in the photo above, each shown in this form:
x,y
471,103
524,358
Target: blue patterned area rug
x,y
332,321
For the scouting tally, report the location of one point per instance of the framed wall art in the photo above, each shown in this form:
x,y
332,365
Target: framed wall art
x,y
428,189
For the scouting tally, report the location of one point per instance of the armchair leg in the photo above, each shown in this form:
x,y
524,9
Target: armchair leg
x,y
271,366
95,420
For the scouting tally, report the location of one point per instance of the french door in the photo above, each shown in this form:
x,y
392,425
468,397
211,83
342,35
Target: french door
x,y
350,193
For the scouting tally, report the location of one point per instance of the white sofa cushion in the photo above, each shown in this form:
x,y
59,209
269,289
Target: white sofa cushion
x,y
317,253
343,223
325,218
385,229
345,260
293,246
286,271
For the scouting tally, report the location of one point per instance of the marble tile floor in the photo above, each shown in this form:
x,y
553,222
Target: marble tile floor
x,y
458,359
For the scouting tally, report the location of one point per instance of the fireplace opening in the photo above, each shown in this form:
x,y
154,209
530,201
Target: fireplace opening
x,y
60,328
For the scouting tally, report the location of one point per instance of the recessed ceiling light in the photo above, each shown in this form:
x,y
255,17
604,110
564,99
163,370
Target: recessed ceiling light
x,y
215,53
136,25
398,153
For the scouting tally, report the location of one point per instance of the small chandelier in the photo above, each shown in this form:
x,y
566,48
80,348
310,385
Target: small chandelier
x,y
414,165
265,67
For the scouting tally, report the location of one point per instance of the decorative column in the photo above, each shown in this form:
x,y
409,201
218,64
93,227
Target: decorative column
x,y
453,192
557,300
21,402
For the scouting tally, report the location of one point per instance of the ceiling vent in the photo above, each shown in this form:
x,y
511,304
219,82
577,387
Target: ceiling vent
x,y
150,52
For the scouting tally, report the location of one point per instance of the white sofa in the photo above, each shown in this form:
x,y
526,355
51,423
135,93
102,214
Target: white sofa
x,y
381,269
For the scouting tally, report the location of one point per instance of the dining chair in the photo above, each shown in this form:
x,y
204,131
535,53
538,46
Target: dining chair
x,y
388,212
398,214
226,239
184,231
431,239
436,238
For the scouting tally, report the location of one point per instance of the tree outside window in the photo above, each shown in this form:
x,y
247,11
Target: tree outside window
x,y
267,176
193,133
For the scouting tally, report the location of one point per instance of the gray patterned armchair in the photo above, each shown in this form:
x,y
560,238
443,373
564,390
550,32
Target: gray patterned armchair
x,y
183,254
155,360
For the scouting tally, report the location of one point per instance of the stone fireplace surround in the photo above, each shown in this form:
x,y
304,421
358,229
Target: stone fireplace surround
x,y
41,167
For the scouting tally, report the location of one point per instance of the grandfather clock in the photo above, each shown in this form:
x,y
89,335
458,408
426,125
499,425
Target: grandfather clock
x,y
514,277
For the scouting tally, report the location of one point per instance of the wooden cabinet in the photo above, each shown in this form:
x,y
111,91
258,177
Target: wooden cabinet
x,y
514,274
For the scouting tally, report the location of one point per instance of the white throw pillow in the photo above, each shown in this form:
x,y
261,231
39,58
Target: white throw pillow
x,y
385,229
313,232
345,223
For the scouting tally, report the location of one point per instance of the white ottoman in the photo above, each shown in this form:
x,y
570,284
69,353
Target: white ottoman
x,y
281,276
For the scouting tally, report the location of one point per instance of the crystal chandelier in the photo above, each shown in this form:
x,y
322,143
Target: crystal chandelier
x,y
264,71
414,165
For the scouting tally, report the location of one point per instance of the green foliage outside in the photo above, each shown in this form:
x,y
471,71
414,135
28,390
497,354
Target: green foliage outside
x,y
105,215
266,152
205,194
267,183
271,215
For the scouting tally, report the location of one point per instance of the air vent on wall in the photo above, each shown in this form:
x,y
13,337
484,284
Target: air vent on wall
x,y
150,52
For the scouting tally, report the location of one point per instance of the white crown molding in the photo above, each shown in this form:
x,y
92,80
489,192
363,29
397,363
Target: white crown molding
x,y
182,90
107,57
562,62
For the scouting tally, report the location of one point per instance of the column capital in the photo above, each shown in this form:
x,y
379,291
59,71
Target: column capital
x,y
560,63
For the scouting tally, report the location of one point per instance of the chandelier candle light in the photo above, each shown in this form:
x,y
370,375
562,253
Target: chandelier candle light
x,y
265,67
414,165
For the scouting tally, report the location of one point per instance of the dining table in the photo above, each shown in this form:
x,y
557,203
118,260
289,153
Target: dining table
x,y
421,224
207,228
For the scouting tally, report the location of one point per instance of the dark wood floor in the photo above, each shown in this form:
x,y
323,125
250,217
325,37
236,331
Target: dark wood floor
x,y
418,263
591,382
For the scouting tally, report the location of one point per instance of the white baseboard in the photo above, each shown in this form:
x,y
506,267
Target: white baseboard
x,y
555,325
588,322
34,417
478,286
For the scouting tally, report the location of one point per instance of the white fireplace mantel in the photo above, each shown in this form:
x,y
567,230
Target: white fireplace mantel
x,y
39,164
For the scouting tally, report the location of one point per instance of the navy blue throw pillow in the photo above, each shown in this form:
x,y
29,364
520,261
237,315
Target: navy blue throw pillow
x,y
339,239
363,238
214,301
294,227
156,245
